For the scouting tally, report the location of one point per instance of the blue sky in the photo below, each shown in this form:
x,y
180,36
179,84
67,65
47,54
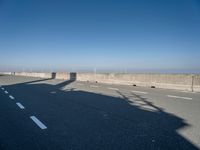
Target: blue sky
x,y
117,35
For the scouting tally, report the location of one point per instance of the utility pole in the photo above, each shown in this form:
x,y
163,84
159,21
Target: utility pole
x,y
192,86
95,71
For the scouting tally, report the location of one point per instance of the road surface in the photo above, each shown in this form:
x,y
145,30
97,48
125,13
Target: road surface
x,y
56,114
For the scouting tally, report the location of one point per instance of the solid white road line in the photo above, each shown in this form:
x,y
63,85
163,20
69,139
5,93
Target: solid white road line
x,y
112,88
38,122
173,96
11,97
140,92
93,86
6,92
20,106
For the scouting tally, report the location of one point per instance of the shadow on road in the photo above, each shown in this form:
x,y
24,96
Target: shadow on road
x,y
83,120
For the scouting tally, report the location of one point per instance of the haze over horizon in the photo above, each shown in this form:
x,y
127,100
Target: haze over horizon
x,y
106,36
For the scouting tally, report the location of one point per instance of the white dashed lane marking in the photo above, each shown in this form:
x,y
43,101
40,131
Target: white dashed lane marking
x,y
140,92
110,88
94,86
20,106
6,92
173,96
38,122
2,88
11,97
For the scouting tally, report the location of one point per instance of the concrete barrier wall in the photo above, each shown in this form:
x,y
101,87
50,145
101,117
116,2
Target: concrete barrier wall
x,y
58,75
34,74
167,81
196,83
187,82
6,73
62,75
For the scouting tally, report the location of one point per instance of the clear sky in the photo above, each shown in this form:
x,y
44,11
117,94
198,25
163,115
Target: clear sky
x,y
120,35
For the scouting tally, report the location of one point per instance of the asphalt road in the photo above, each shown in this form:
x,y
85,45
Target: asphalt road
x,y
56,114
